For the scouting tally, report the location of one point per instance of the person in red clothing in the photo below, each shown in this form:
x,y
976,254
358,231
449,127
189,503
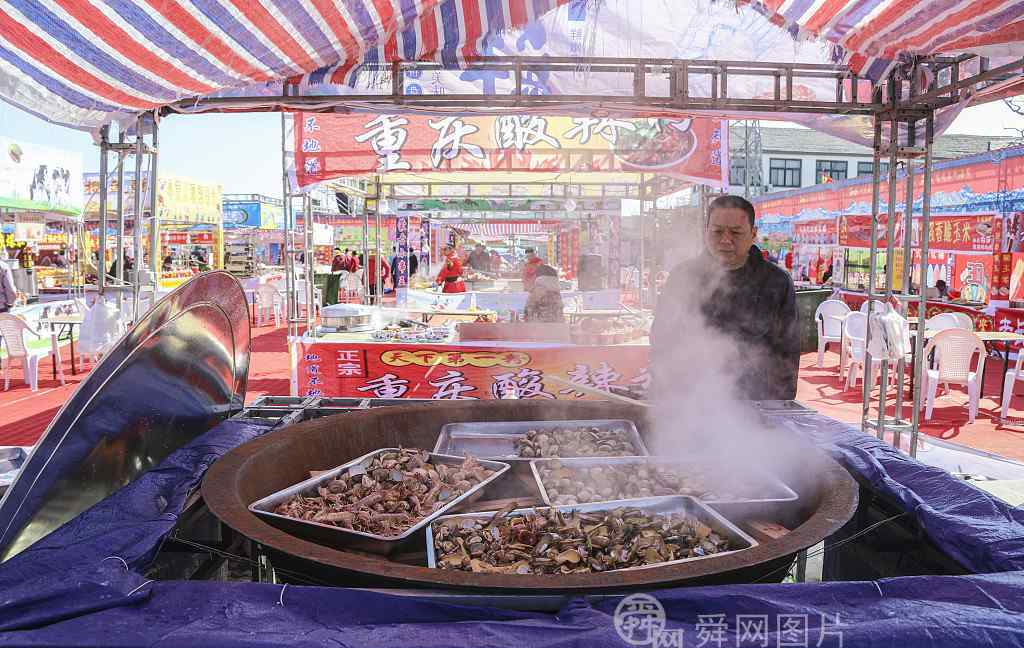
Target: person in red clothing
x,y
373,266
789,261
353,262
530,269
450,277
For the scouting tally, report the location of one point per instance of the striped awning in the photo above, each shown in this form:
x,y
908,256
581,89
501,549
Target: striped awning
x,y
84,63
870,35
498,230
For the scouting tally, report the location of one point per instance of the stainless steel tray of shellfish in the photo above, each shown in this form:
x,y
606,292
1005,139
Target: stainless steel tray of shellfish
x,y
525,440
585,538
376,502
580,481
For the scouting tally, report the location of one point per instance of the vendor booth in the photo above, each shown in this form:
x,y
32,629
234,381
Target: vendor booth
x,y
384,520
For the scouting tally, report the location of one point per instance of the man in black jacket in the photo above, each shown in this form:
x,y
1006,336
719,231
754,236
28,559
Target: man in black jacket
x,y
730,299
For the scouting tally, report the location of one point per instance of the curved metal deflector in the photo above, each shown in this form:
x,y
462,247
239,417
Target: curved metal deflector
x,y
178,372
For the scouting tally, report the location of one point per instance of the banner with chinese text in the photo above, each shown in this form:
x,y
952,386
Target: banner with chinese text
x,y
328,146
951,232
464,372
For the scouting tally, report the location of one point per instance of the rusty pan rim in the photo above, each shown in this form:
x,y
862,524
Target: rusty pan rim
x,y
222,494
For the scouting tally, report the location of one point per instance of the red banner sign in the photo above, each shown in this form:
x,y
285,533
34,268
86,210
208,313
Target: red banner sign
x,y
174,238
816,232
957,233
464,372
201,238
1010,320
329,146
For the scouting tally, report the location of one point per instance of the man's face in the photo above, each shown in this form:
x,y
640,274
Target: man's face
x,y
729,236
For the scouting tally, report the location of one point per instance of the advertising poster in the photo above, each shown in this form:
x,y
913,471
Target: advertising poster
x,y
466,372
401,277
972,276
40,178
328,146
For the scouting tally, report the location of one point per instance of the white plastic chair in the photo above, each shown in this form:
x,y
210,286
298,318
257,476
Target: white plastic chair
x,y
943,321
830,329
879,305
1012,376
269,300
318,299
964,320
12,331
954,350
854,338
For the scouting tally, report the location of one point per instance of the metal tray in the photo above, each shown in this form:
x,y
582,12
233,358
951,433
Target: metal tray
x,y
679,505
370,542
774,489
781,407
496,440
282,401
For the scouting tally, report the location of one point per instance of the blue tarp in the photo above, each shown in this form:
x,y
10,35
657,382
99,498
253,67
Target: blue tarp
x,y
82,584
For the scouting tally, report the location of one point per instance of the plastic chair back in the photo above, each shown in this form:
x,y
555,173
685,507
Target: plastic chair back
x,y
941,322
955,349
12,330
856,331
964,320
879,306
268,293
825,315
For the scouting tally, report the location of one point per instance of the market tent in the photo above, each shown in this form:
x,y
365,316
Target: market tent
x,y
83,64
872,34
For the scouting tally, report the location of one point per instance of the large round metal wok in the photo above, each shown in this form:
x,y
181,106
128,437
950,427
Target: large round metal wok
x,y
828,498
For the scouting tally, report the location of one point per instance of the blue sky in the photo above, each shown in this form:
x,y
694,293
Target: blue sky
x,y
242,152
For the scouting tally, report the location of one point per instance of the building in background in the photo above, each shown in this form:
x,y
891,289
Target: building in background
x,y
793,158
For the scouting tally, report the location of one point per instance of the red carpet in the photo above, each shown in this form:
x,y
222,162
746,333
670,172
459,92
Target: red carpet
x,y
24,415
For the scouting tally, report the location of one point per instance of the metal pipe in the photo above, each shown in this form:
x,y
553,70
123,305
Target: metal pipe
x,y
643,217
379,276
137,230
875,198
926,207
366,250
908,228
119,236
155,261
101,270
307,258
890,250
286,251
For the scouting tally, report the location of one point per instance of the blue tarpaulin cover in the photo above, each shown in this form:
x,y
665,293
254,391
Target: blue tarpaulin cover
x,y
82,584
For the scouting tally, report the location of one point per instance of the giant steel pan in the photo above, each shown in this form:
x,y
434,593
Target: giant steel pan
x,y
178,372
828,498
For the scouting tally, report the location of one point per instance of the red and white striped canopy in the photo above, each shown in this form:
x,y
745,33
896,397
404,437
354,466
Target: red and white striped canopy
x,y
871,34
84,63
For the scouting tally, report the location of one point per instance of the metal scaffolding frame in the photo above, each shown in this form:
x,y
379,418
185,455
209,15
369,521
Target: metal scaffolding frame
x,y
908,98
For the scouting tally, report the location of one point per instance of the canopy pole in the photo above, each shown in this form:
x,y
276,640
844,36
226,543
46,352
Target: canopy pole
x,y
366,250
101,269
872,257
926,207
378,274
890,259
643,249
286,239
137,230
155,261
119,237
907,287
307,259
